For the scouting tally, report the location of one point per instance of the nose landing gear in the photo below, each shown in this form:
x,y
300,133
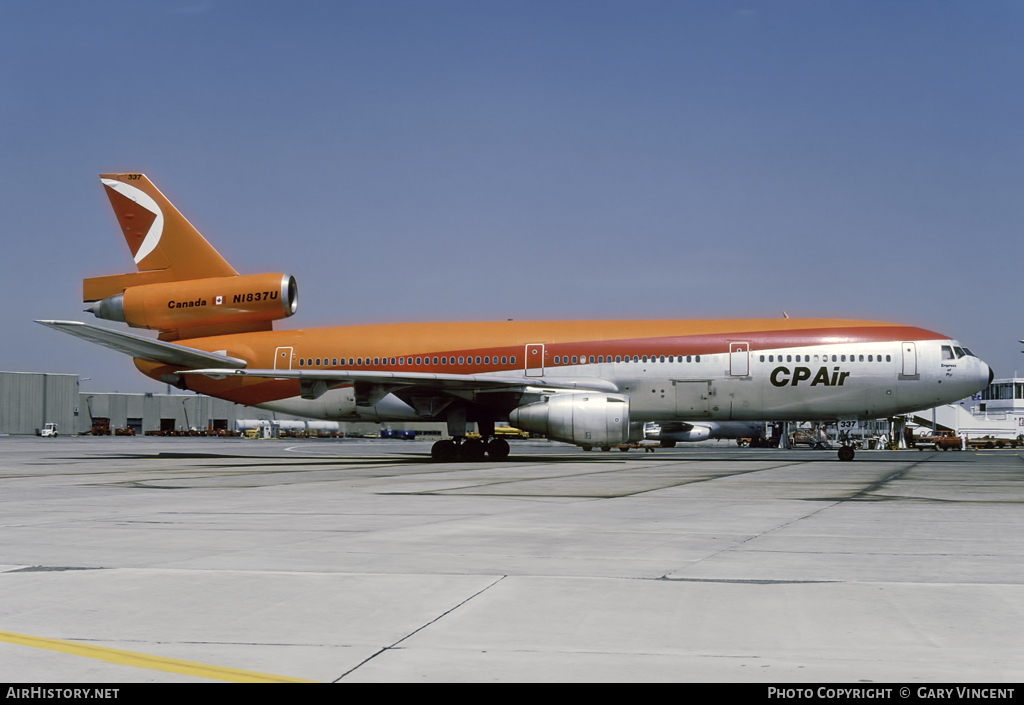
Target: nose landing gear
x,y
846,453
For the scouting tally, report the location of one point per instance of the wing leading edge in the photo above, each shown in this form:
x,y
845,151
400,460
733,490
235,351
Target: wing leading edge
x,y
145,348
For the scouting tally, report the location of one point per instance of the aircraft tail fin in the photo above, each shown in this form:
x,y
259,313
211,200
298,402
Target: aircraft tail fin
x,y
165,246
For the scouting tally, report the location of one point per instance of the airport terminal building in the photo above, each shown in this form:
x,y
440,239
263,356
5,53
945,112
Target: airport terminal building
x,y
30,400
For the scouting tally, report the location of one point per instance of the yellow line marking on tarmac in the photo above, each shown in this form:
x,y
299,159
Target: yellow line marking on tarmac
x,y
155,663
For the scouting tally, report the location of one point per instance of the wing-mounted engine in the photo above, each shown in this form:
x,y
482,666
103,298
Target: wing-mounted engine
x,y
202,307
586,418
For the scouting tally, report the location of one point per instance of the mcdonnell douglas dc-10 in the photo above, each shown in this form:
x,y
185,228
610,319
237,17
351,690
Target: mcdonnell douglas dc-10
x,y
590,383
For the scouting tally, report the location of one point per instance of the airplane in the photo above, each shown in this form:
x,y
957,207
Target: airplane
x,y
671,432
588,383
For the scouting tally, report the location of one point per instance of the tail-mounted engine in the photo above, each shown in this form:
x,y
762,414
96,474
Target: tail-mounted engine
x,y
592,419
200,307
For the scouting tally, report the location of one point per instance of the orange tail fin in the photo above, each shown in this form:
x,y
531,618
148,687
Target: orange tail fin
x,y
164,244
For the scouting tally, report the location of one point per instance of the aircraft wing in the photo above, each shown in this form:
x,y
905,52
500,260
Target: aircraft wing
x,y
145,348
314,383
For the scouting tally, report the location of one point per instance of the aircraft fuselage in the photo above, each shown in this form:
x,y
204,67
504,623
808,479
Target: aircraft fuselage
x,y
793,370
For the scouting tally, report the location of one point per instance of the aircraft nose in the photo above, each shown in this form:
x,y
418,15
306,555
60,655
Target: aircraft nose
x,y
991,375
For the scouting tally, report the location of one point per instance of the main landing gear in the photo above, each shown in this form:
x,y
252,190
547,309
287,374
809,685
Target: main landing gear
x,y
473,450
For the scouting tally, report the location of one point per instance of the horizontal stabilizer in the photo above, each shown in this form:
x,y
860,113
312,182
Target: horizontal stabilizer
x,y
424,380
145,348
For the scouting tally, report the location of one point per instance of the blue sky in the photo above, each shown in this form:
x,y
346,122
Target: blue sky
x,y
549,160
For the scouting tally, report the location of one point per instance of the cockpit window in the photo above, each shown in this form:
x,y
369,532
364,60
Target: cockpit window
x,y
959,352
969,353
947,352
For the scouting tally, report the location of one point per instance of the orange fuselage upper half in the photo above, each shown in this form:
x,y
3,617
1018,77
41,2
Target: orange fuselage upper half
x,y
500,347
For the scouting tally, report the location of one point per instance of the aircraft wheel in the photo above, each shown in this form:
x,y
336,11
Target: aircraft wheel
x,y
472,450
587,448
624,449
606,448
668,444
497,449
444,451
846,453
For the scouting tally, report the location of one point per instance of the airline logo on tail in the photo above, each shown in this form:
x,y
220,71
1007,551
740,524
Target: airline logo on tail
x,y
151,238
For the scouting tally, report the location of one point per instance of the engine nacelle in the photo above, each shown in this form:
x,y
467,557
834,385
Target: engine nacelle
x,y
583,418
200,303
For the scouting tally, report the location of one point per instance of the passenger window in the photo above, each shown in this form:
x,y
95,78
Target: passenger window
x,y
462,360
789,358
444,360
504,360
512,359
591,358
833,358
762,358
888,358
302,362
435,360
697,359
574,358
689,358
618,358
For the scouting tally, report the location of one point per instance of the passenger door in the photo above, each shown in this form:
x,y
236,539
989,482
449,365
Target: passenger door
x,y
739,359
283,359
535,360
909,359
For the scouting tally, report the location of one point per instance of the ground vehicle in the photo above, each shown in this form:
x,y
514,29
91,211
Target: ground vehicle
x,y
510,432
401,434
100,426
945,440
49,430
